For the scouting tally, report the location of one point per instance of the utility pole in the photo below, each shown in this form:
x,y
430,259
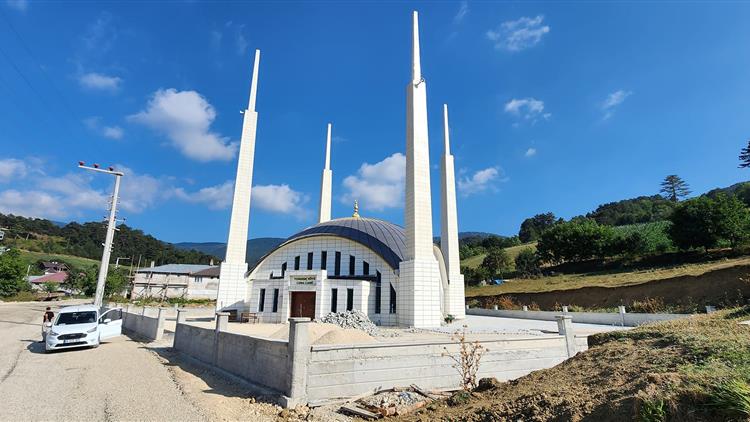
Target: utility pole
x,y
111,222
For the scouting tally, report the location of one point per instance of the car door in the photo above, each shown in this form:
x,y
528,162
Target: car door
x,y
110,324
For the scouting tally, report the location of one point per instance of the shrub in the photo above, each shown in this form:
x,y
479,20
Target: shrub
x,y
653,411
527,264
468,359
506,303
496,262
732,398
575,241
704,222
649,305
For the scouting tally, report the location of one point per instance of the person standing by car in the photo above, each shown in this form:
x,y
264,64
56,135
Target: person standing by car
x,y
47,322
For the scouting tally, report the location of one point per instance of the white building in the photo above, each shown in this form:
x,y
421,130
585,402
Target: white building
x,y
396,275
187,281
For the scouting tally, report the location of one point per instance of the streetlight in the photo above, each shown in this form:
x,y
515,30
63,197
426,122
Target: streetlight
x,y
110,229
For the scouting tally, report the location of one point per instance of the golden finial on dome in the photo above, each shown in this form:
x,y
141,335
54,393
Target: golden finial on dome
x,y
356,209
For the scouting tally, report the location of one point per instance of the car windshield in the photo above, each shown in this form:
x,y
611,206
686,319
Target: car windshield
x,y
71,318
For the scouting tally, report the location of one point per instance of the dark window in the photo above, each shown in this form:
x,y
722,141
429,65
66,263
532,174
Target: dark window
x,y
349,299
283,269
378,292
309,260
365,268
296,263
337,264
351,264
334,299
393,300
262,300
323,260
275,300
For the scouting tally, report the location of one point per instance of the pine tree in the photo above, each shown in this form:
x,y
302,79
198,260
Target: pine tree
x,y
674,188
745,156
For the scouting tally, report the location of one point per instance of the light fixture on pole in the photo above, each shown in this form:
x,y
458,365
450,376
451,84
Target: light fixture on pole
x,y
111,222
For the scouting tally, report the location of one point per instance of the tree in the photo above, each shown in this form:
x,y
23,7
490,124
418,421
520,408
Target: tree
x,y
11,273
527,264
643,209
116,282
49,287
704,222
575,241
532,228
745,156
496,262
674,188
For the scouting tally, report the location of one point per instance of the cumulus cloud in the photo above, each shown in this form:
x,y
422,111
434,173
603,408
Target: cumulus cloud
x,y
279,199
519,34
530,152
463,10
185,118
378,186
214,197
31,204
480,181
11,168
612,101
94,124
527,108
99,82
20,5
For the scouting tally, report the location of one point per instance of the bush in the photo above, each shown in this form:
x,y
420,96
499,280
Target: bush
x,y
527,264
647,238
575,241
23,296
704,222
496,262
12,273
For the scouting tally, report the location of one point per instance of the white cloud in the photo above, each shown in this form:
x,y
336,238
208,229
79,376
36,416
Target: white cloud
x,y
241,42
20,5
463,10
530,152
279,199
519,34
141,191
480,181
185,117
215,197
100,36
378,186
31,204
99,81
11,168
112,132
612,101
527,108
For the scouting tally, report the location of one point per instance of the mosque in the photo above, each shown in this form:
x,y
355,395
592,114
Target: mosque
x,y
396,275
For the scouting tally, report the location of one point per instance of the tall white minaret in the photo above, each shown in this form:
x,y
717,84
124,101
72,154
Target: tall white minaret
x,y
454,298
232,285
325,184
418,299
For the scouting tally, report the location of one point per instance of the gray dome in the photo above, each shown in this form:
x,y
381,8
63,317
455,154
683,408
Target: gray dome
x,y
384,238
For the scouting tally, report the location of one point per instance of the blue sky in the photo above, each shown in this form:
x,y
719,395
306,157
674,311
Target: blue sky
x,y
554,106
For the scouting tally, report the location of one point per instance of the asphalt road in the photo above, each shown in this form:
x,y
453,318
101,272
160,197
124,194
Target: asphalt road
x,y
120,380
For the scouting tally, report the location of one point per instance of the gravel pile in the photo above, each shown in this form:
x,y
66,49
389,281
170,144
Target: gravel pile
x,y
399,400
351,319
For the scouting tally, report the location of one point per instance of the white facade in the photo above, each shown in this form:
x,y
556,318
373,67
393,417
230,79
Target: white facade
x,y
324,214
166,284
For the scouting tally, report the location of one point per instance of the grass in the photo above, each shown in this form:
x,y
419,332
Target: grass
x,y
513,251
30,258
602,279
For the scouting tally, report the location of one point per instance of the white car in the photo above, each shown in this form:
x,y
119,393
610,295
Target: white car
x,y
81,326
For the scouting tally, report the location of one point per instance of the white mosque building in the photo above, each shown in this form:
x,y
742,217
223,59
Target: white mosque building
x,y
395,275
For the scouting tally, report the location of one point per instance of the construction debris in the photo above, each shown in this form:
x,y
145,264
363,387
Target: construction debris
x,y
392,402
351,319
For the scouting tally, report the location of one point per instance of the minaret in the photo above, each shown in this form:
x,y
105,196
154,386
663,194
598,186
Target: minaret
x,y
418,300
325,184
232,285
454,298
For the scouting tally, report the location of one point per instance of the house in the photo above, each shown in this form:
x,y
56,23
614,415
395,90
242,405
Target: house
x,y
50,267
186,281
38,281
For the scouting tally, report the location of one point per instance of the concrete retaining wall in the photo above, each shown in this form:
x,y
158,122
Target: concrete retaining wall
x,y
147,327
621,319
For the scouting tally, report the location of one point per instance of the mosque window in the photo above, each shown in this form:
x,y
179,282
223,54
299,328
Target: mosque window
x,y
296,263
349,299
378,292
323,260
351,264
262,300
309,260
334,299
393,300
275,300
365,268
337,264
283,269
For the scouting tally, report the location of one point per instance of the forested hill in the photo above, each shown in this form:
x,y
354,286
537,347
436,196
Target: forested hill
x,y
85,240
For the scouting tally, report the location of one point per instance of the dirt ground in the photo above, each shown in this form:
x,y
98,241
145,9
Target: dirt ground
x,y
664,363
722,287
